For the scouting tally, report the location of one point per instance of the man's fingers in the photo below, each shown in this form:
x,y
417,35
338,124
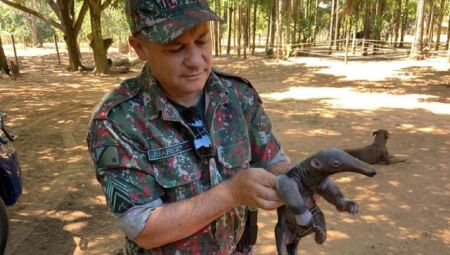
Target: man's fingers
x,y
267,193
268,205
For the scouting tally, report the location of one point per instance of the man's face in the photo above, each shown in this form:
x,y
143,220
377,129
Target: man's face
x,y
182,66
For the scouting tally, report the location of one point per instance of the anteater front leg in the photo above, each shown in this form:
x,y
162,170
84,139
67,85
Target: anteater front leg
x,y
288,190
331,192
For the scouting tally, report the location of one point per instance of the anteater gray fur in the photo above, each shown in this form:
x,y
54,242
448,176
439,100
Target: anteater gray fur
x,y
300,215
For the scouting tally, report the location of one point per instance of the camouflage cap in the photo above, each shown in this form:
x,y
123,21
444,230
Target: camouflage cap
x,y
164,20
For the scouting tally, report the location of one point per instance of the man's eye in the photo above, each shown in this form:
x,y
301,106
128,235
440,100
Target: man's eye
x,y
202,42
174,49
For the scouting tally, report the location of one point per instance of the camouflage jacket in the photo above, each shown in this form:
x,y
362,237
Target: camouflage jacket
x,y
142,151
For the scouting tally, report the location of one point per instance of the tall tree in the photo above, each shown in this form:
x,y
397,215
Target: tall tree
x,y
255,10
98,46
316,21
404,23
230,25
331,31
33,26
368,22
278,34
397,21
217,49
417,46
439,23
3,61
336,26
429,31
69,23
448,34
273,29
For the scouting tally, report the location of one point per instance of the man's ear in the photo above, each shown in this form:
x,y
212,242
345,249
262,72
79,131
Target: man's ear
x,y
139,47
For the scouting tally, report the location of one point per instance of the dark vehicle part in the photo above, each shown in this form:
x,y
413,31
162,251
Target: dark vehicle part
x,y
10,178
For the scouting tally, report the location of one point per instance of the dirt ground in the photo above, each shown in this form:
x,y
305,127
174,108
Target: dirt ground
x,y
314,104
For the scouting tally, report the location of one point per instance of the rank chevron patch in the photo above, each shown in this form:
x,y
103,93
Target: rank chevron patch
x,y
118,195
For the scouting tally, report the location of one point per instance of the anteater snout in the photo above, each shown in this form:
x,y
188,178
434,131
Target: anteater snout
x,y
370,171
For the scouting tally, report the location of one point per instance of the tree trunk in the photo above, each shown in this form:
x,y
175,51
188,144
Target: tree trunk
x,y
300,17
330,32
378,21
440,19
355,30
336,28
3,61
230,23
416,48
273,29
287,35
404,21
295,18
219,30
316,22
429,28
236,25
33,30
73,50
255,8
246,28
239,24
98,46
448,53
216,30
269,25
397,20
448,34
279,34
368,24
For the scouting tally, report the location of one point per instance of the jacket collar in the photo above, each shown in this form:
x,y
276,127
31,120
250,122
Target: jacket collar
x,y
154,100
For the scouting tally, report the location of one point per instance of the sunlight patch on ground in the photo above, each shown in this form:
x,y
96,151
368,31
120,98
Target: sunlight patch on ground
x,y
444,235
337,235
370,70
428,129
347,98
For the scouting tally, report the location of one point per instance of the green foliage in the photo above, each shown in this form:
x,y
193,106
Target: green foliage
x,y
115,25
44,31
17,23
13,22
307,28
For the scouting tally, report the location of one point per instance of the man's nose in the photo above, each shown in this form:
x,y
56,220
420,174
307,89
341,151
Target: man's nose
x,y
193,56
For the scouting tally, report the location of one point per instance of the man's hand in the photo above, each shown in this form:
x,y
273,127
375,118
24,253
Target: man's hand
x,y
254,187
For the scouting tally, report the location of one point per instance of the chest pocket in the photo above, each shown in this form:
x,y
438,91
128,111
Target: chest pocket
x,y
177,171
231,139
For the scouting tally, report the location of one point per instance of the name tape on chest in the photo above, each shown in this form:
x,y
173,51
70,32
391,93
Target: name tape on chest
x,y
169,151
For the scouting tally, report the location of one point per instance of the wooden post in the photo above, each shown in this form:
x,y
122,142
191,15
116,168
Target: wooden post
x,y
14,48
57,49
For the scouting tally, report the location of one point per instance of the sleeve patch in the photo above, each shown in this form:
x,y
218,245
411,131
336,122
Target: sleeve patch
x,y
118,195
107,156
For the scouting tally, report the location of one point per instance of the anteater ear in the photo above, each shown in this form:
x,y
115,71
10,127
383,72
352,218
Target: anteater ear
x,y
316,163
375,132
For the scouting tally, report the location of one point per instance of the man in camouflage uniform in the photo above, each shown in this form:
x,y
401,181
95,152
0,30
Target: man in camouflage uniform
x,y
183,150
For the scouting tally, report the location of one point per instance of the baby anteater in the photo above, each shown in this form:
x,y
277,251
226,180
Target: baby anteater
x,y
300,215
